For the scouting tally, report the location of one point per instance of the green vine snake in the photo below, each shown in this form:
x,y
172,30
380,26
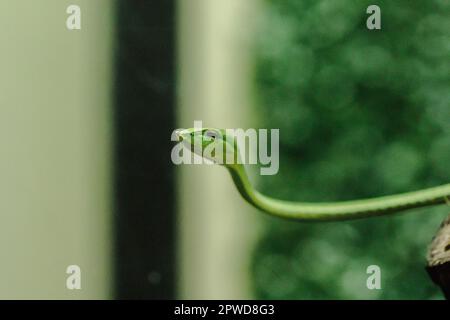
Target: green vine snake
x,y
199,140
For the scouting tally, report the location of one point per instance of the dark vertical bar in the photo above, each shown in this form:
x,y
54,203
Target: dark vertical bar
x,y
144,119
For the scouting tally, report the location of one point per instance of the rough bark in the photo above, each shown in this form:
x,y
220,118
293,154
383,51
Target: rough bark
x,y
439,258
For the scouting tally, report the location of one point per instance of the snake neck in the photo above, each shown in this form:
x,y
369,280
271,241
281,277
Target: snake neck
x,y
242,183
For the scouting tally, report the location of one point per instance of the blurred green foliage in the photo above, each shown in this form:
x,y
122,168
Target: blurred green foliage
x,y
361,113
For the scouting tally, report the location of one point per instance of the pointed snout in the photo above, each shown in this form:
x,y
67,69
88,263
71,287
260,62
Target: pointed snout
x,y
181,134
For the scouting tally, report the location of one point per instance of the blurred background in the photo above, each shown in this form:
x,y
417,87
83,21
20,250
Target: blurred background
x,y
85,123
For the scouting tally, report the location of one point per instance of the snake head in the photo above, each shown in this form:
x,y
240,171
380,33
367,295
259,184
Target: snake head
x,y
210,143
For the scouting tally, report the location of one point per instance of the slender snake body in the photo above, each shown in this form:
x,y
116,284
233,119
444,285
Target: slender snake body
x,y
305,211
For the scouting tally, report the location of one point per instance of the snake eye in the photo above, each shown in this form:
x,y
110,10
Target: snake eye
x,y
210,135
